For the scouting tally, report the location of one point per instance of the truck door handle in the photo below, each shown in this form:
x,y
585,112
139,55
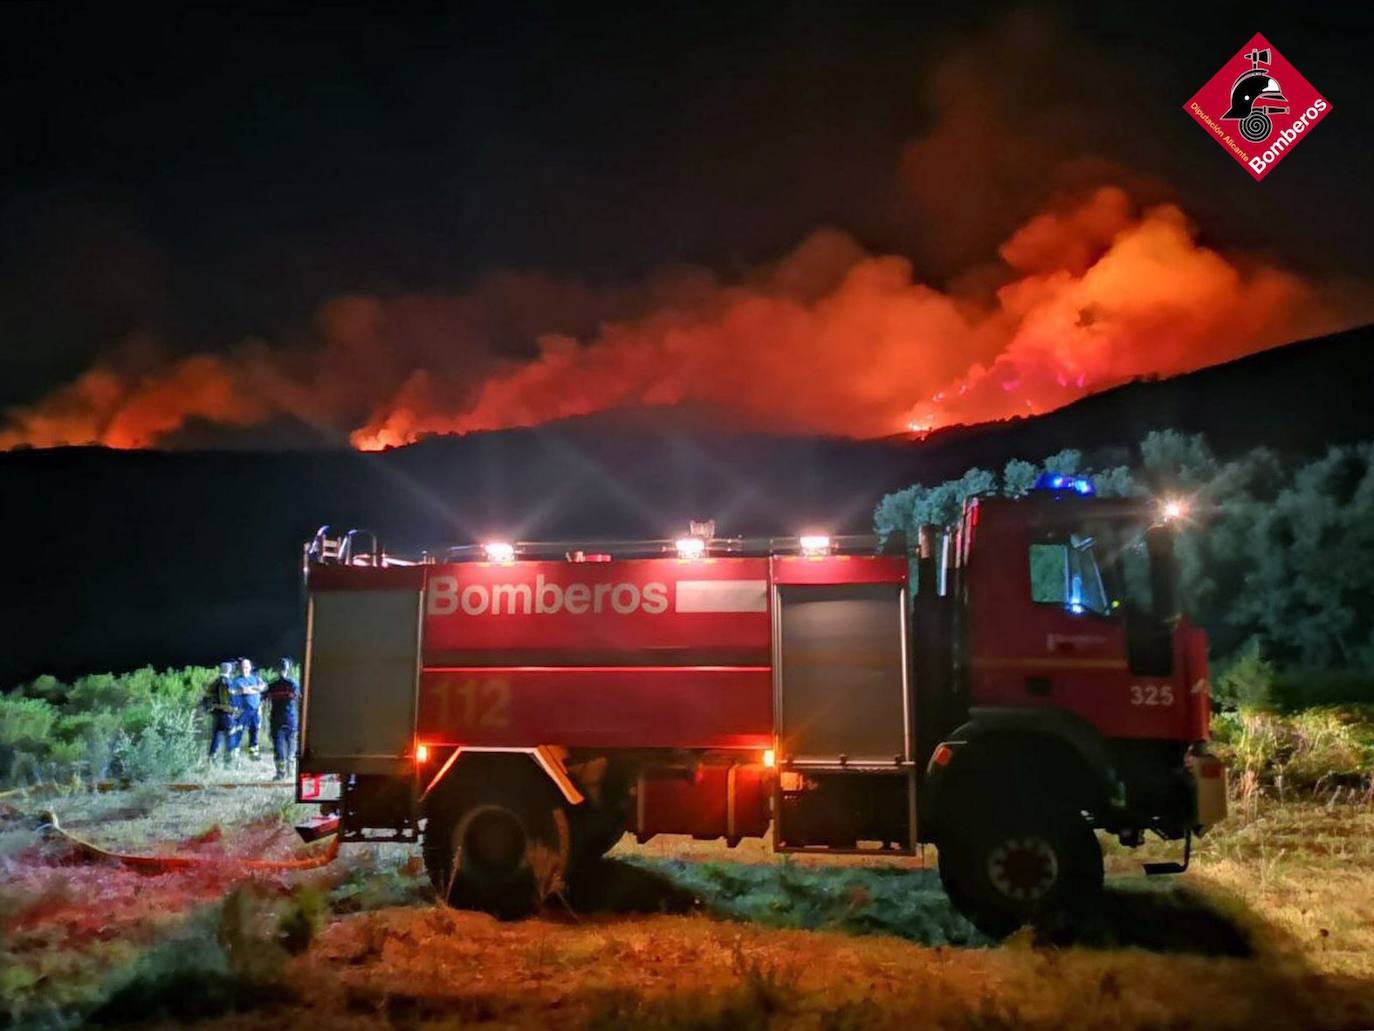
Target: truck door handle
x,y
1039,685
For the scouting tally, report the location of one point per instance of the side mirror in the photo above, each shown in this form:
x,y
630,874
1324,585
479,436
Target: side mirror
x,y
1159,543
1150,635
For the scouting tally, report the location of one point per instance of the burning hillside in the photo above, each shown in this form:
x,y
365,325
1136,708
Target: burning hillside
x,y
1099,277
829,339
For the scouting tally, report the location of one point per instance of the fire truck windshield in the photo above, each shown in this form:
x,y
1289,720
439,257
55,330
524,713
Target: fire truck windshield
x,y
1137,567
1086,593
1099,567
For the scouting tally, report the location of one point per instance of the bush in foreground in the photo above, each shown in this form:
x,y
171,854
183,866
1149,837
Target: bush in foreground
x,y
142,725
226,959
1302,753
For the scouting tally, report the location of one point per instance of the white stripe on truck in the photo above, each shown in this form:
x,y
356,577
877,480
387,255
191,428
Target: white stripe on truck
x,y
722,596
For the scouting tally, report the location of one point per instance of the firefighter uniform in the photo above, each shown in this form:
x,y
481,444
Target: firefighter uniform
x,y
249,688
285,698
221,704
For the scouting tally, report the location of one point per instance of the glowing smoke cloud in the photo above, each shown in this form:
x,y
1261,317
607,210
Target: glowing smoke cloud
x,y
1104,283
1101,295
828,340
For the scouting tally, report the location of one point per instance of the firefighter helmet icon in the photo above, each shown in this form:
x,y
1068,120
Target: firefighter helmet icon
x,y
1254,94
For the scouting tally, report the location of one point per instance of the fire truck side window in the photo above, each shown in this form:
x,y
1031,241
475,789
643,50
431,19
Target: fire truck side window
x,y
1066,574
1049,573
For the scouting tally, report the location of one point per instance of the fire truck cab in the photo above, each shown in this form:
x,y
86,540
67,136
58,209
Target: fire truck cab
x,y
1001,689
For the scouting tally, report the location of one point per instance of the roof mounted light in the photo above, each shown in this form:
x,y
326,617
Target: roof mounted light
x,y
704,528
1061,483
1171,510
499,551
588,556
814,545
690,547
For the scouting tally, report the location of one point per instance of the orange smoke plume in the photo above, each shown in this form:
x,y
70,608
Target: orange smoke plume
x,y
104,406
830,339
1106,282
1097,294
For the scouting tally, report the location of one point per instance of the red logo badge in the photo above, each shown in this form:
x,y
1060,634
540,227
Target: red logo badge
x,y
1258,108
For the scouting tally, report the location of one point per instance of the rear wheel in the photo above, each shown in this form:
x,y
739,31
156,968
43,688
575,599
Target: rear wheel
x,y
1018,864
497,839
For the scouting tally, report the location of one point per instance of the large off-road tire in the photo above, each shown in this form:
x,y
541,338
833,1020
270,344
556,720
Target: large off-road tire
x,y
597,833
599,825
497,839
1015,864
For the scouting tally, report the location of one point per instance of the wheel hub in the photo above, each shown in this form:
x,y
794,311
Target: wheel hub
x,y
493,841
1023,868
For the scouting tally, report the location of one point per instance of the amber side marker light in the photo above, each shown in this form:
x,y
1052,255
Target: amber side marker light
x,y
422,753
770,758
942,756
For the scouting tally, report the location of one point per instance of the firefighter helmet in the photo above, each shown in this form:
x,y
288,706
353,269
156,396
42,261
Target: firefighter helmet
x,y
1253,96
1255,88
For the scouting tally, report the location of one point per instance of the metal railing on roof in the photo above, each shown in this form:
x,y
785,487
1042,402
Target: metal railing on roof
x,y
363,548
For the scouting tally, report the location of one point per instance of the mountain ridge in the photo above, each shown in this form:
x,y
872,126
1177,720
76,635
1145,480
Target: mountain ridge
x,y
178,556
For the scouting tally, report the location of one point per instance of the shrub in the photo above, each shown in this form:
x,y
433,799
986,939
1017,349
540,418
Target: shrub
x,y
25,732
1302,753
165,746
224,960
142,724
1247,682
302,918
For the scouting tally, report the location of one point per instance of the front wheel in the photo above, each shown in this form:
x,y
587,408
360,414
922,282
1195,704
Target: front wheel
x,y
1017,865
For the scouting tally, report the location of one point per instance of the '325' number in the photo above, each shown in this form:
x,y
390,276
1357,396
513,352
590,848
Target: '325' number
x,y
1152,694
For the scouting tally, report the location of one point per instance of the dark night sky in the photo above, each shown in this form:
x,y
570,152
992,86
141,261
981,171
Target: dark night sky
x,y
211,174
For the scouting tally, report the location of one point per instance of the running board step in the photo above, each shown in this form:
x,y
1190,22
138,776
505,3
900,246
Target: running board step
x,y
317,827
1152,869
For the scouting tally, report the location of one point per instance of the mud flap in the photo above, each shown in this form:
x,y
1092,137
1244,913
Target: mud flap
x,y
1209,781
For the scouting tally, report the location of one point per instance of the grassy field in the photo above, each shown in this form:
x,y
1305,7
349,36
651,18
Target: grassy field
x,y
1273,927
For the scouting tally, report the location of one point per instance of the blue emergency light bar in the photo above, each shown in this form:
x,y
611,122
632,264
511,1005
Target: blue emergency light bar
x,y
1080,485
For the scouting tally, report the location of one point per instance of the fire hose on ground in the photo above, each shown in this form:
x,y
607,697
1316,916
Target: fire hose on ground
x,y
103,787
161,863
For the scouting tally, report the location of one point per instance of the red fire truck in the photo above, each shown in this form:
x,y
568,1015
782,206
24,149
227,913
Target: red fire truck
x,y
1001,689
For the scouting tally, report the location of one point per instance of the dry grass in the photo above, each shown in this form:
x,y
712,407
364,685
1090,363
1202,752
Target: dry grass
x,y
1302,871
694,971
1294,881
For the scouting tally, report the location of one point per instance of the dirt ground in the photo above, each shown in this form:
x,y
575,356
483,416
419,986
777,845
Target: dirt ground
x,y
1273,927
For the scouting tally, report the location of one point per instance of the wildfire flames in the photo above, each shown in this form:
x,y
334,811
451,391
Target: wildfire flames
x,y
829,339
1105,282
1100,296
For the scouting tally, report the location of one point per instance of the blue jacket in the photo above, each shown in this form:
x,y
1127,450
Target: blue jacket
x,y
285,696
249,701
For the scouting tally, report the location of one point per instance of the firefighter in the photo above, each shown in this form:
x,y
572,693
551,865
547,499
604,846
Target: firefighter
x,y
285,697
249,687
220,703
